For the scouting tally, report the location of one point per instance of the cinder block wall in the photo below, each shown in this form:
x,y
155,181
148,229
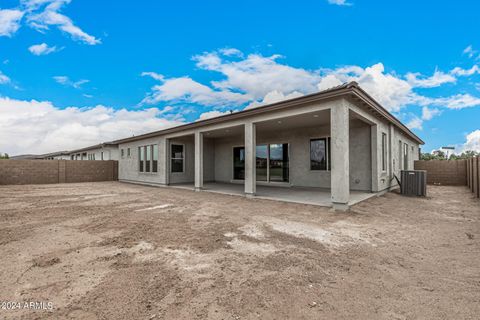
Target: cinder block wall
x,y
56,171
444,172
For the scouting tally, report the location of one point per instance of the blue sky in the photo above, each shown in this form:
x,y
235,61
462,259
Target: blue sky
x,y
74,73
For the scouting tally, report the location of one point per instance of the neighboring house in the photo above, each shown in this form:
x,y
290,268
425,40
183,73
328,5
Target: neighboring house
x,y
60,155
335,147
103,151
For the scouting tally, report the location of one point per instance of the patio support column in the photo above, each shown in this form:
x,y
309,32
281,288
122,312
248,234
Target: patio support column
x,y
198,160
391,160
374,148
340,175
250,159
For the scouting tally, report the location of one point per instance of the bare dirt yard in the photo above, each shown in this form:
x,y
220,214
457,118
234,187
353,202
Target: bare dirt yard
x,y
120,251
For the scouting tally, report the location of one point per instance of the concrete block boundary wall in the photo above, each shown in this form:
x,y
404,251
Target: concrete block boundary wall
x,y
444,172
473,175
14,172
453,172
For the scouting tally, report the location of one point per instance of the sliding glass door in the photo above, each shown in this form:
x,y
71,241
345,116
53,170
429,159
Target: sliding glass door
x,y
262,163
239,163
272,163
278,164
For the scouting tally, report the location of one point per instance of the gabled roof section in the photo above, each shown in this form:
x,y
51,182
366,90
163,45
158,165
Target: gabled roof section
x,y
350,89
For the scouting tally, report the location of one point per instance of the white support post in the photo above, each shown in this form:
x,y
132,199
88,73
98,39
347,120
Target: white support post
x,y
374,158
198,161
250,159
391,159
340,175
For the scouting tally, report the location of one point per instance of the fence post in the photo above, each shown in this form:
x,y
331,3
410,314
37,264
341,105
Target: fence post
x,y
470,177
468,172
478,176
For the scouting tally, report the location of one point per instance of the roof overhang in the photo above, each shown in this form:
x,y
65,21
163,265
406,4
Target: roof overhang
x,y
347,90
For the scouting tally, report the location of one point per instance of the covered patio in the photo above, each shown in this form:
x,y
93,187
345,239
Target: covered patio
x,y
304,195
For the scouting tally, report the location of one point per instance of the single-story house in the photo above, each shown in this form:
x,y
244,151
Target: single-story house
x,y
102,151
334,148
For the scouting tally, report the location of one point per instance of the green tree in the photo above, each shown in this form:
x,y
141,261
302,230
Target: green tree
x,y
4,156
465,155
435,155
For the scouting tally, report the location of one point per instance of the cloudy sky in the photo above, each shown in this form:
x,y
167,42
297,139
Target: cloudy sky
x,y
78,72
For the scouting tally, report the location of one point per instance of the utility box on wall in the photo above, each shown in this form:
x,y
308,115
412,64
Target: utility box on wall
x,y
414,183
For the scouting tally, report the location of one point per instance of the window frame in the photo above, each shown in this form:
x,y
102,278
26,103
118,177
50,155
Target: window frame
x,y
172,158
328,164
405,156
384,152
154,159
141,166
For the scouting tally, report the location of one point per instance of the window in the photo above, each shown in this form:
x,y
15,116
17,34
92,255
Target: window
x,y
272,162
178,157
147,158
148,155
128,152
400,154
262,162
320,154
122,153
141,158
384,151
72,157
239,163
405,156
278,169
154,157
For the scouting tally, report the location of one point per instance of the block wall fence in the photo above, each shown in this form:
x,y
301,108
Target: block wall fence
x,y
453,172
56,171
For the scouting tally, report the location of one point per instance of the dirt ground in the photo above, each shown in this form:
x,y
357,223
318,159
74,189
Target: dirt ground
x,y
120,251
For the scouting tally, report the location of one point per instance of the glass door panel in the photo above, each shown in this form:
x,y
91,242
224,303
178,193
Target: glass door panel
x,y
239,163
262,163
279,166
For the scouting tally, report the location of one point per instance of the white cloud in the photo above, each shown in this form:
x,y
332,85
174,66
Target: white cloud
x,y
272,97
472,142
458,101
437,79
64,80
327,82
388,89
257,75
415,123
212,114
469,51
428,114
465,72
154,75
42,49
340,2
3,78
41,20
254,80
184,89
231,52
9,21
40,127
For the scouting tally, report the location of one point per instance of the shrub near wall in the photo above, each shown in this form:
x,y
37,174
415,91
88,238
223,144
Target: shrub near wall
x,y
56,171
444,172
